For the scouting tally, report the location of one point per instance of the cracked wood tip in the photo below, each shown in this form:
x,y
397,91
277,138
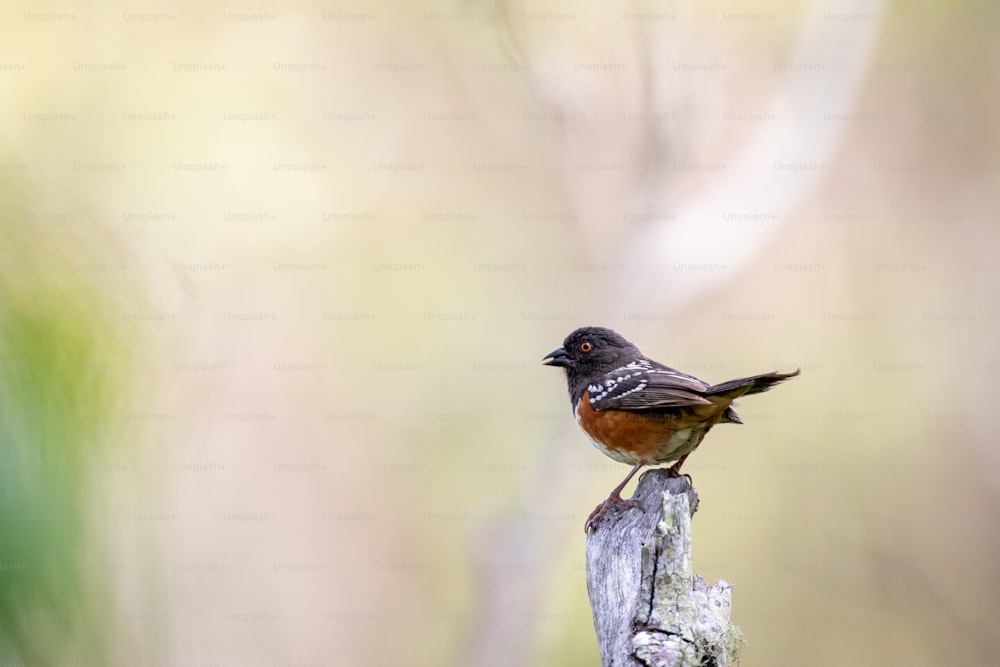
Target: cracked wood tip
x,y
650,609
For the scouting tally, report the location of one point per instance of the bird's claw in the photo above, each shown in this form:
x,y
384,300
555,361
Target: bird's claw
x,y
673,472
602,509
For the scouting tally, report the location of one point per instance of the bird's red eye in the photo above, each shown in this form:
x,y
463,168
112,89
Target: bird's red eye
x,y
586,347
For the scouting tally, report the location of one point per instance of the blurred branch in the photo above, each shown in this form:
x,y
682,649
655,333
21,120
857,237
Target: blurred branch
x,y
649,607
776,169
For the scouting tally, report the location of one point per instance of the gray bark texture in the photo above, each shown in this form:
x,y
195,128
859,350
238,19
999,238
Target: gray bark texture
x,y
650,609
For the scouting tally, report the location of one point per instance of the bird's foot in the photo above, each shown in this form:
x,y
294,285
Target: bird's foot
x,y
674,471
603,508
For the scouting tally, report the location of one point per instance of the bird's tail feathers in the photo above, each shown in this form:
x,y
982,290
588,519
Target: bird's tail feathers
x,y
749,385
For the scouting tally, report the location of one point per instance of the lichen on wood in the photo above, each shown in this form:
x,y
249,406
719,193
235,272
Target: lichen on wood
x,y
649,608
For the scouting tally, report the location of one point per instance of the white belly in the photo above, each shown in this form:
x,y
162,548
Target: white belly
x,y
681,443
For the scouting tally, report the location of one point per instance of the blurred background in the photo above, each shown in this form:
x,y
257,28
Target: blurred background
x,y
275,283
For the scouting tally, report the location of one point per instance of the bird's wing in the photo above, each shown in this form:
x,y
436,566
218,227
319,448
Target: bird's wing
x,y
646,385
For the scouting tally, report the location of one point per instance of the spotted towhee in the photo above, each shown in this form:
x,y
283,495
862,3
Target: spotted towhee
x,y
638,411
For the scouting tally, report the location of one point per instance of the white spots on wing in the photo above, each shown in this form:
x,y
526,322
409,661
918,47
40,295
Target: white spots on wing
x,y
597,391
611,384
639,365
638,387
636,376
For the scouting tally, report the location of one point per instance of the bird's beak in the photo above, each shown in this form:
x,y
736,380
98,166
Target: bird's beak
x,y
557,357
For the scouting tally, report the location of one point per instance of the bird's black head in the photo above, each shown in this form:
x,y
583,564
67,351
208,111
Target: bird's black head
x,y
591,351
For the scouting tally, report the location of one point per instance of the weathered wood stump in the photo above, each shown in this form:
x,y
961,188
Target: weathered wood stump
x,y
650,609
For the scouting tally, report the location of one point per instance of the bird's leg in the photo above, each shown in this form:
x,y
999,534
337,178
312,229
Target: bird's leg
x,y
675,469
614,498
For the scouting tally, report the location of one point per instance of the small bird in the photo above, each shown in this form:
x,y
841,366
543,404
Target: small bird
x,y
637,410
